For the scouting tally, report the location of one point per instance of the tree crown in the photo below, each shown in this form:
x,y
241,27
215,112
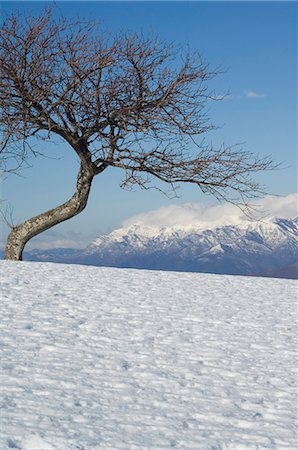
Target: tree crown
x,y
121,101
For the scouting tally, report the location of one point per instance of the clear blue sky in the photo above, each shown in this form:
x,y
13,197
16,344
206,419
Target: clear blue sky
x,y
257,44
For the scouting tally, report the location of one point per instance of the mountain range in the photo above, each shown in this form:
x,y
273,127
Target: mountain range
x,y
260,248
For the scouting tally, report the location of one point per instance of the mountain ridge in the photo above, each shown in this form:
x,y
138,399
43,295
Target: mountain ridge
x,y
256,248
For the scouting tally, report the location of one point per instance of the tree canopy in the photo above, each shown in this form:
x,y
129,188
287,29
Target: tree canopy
x,y
127,101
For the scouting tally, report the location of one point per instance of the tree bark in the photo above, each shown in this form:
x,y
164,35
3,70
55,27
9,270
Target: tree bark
x,y
22,233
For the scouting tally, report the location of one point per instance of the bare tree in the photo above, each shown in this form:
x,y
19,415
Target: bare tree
x,y
126,101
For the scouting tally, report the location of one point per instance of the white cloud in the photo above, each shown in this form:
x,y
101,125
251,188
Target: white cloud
x,y
253,94
286,207
207,215
55,239
43,244
222,97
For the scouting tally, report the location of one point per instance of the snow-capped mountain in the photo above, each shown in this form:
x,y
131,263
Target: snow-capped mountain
x,y
249,248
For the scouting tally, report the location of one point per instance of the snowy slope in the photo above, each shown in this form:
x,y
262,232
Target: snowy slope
x,y
98,358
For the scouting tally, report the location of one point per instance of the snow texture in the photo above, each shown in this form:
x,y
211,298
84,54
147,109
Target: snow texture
x,y
97,358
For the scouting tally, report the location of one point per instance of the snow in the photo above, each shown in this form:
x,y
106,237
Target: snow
x,y
100,358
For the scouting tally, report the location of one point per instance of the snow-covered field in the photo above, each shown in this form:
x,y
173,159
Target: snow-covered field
x,y
95,358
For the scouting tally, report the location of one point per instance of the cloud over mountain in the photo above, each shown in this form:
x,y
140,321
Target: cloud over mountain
x,y
203,215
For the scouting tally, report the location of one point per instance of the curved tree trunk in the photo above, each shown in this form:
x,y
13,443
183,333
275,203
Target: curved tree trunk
x,y
22,233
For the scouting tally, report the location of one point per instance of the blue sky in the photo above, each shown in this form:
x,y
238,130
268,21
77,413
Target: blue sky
x,y
254,41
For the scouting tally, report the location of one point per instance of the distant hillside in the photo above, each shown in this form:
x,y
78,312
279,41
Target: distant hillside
x,y
250,248
285,272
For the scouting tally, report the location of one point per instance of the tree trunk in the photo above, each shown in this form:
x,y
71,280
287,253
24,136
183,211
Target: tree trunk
x,y
22,233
